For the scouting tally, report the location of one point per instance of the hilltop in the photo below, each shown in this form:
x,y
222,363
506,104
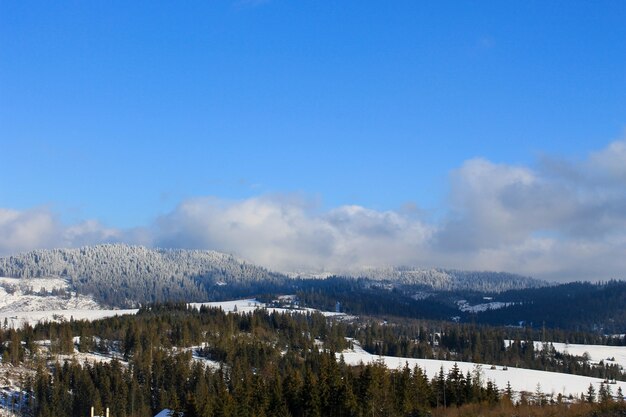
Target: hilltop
x,y
121,275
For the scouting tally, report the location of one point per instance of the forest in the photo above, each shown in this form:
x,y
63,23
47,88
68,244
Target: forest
x,y
209,363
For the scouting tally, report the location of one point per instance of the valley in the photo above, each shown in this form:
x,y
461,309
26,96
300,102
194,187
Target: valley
x,y
256,322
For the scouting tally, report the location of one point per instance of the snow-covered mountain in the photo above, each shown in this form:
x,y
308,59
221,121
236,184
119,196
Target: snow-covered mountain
x,y
450,279
123,275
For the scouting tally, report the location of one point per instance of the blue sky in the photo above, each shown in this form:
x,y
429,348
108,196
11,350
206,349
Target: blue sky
x,y
120,114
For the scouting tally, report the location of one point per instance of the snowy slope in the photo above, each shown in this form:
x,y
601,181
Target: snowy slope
x,y
597,353
19,318
249,305
31,300
32,294
479,308
520,379
125,276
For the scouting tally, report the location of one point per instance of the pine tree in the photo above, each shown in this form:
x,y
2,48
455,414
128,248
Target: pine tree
x,y
508,391
591,394
311,406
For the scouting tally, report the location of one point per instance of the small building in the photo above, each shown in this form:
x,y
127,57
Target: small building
x,y
166,412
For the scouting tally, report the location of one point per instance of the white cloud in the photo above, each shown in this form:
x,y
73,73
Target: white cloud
x,y
40,228
288,234
25,230
611,160
560,220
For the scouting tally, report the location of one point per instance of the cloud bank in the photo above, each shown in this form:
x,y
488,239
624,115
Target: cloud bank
x,y
560,220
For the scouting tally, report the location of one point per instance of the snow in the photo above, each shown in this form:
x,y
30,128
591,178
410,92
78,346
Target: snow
x,y
421,295
596,353
11,401
479,308
208,363
250,305
29,300
166,412
91,357
36,284
239,306
20,318
520,379
12,397
26,294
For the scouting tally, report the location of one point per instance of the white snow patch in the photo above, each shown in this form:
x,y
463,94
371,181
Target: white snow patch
x,y
597,353
479,308
250,305
21,318
520,379
18,318
208,363
34,294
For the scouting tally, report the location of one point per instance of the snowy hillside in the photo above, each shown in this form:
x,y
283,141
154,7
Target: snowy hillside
x,y
18,319
477,308
125,276
251,305
596,353
122,275
35,294
125,260
91,311
527,380
447,279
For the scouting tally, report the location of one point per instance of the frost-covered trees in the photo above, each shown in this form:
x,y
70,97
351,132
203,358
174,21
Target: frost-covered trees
x,y
123,275
447,279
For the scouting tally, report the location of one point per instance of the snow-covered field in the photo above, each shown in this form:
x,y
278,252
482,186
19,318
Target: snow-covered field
x,y
18,318
195,356
30,300
597,353
520,379
250,305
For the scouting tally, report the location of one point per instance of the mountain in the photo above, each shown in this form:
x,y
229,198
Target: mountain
x,y
598,307
123,275
454,280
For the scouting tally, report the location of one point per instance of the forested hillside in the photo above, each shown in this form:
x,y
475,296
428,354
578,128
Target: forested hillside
x,y
586,306
452,279
599,307
122,275
209,363
125,276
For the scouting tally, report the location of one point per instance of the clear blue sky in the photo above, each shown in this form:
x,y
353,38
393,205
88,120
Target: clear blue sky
x,y
119,111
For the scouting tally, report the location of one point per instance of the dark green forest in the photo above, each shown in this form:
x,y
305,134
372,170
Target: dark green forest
x,y
271,364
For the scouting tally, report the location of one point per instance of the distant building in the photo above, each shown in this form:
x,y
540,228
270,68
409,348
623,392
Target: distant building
x,y
166,412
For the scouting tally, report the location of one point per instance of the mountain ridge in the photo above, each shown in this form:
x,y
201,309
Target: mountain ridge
x,y
125,275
